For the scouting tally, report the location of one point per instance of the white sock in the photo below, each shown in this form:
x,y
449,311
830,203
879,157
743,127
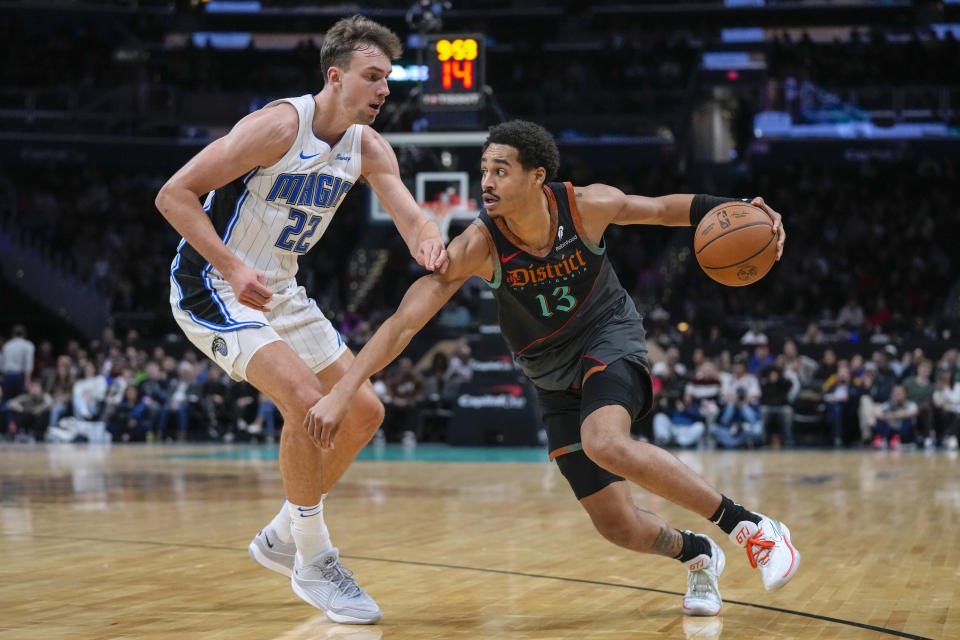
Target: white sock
x,y
281,524
309,530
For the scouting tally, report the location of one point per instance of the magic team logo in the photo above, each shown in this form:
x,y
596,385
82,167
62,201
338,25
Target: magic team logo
x,y
569,265
219,346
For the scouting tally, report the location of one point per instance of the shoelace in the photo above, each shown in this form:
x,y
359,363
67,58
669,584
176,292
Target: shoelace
x,y
761,554
342,577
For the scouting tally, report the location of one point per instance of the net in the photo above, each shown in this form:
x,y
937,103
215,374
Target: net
x,y
440,169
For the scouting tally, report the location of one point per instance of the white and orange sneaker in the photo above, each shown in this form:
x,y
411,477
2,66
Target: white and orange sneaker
x,y
703,592
768,549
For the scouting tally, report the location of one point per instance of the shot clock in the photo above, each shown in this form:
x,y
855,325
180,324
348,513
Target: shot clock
x,y
455,68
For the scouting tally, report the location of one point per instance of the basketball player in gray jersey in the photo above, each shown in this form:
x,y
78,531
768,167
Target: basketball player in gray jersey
x,y
576,334
272,186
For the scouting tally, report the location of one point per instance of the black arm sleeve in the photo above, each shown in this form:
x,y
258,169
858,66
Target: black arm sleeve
x,y
702,203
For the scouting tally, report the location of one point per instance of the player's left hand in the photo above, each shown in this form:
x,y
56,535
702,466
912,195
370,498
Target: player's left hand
x,y
323,418
777,223
432,255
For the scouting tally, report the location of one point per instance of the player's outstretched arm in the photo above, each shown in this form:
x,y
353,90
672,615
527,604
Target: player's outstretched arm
x,y
259,139
381,170
469,255
602,205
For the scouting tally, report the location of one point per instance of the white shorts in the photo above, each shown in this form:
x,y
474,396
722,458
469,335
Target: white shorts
x,y
229,333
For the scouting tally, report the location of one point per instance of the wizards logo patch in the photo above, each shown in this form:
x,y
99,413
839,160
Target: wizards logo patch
x,y
219,346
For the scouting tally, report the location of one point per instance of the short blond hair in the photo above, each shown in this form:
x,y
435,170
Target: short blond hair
x,y
353,34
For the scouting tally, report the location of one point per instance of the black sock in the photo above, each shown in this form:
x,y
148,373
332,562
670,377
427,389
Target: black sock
x,y
693,545
729,514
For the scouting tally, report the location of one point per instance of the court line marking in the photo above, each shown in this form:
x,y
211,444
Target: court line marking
x,y
440,565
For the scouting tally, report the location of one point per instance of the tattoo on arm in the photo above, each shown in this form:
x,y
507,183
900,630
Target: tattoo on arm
x,y
579,195
669,542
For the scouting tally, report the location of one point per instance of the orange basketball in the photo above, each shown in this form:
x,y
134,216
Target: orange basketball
x,y
735,244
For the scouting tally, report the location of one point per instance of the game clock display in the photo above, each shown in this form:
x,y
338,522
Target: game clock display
x,y
455,68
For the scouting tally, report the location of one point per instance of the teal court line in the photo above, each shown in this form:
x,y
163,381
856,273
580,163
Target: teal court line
x,y
393,453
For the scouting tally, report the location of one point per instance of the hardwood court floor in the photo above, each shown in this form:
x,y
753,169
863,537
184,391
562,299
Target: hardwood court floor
x,y
150,542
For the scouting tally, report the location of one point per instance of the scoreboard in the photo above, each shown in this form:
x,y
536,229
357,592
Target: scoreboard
x,y
455,73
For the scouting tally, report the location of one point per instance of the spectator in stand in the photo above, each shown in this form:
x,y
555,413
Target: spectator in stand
x,y
919,390
16,358
676,421
886,377
702,395
130,419
775,403
60,388
896,420
89,393
406,392
30,412
44,363
671,360
214,398
827,366
754,335
740,422
760,359
153,392
796,365
460,370
813,334
183,395
117,382
265,421
851,315
878,317
841,393
946,408
439,398
900,366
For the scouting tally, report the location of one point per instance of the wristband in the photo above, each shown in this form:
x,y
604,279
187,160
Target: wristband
x,y
703,203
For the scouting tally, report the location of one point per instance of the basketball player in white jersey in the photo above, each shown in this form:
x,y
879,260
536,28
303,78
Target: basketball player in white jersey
x,y
272,186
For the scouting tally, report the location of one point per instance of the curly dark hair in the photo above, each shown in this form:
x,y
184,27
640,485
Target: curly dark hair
x,y
352,34
534,144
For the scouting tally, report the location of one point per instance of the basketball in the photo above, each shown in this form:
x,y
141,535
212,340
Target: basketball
x,y
735,244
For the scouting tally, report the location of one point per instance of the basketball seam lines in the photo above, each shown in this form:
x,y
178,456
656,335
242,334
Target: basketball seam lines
x,y
745,259
712,240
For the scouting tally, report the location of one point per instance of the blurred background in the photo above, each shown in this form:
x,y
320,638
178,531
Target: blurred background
x,y
844,115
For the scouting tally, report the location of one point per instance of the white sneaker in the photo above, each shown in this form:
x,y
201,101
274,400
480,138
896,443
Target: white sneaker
x,y
950,443
270,552
330,587
768,549
703,593
929,443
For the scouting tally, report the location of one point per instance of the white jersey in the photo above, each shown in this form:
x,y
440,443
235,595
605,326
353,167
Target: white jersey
x,y
273,215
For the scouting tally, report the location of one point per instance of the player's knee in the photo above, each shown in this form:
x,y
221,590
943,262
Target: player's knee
x,y
300,403
368,410
603,446
375,413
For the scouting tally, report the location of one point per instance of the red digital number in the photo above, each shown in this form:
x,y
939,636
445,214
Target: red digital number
x,y
462,70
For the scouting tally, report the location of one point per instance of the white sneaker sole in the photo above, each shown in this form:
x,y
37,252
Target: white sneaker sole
x,y
266,562
793,568
334,617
